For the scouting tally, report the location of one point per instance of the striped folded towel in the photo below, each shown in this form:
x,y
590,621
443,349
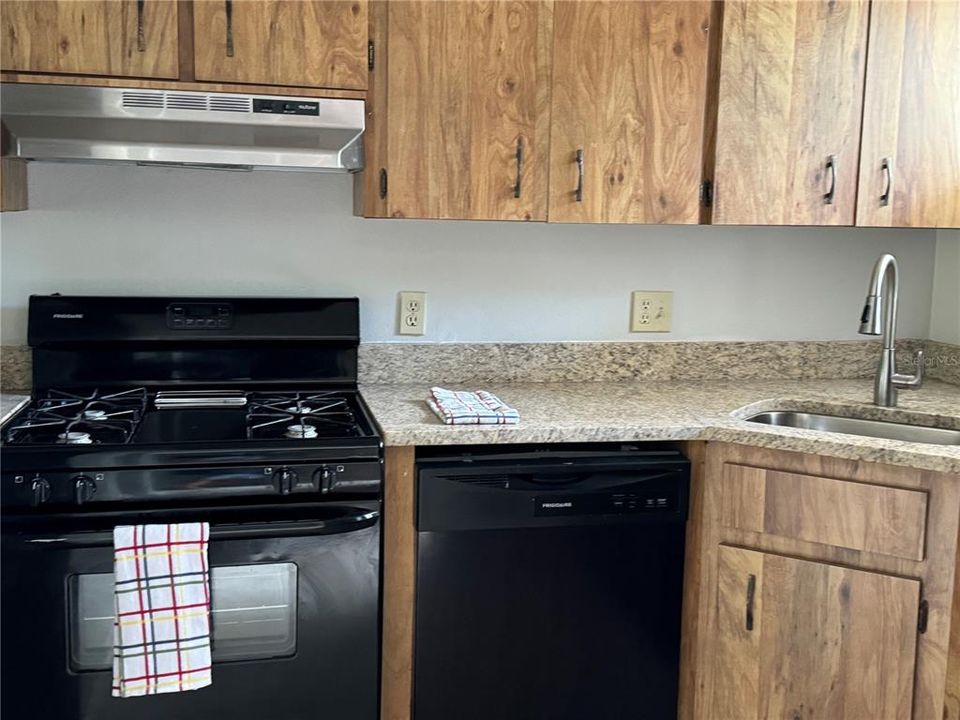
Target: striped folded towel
x,y
471,408
161,627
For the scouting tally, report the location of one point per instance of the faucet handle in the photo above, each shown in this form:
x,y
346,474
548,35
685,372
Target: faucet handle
x,y
911,382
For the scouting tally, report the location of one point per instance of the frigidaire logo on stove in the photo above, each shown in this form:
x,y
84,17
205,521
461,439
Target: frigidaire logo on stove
x,y
557,505
68,316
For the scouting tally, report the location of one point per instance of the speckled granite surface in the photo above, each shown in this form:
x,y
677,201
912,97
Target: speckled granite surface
x,y
15,367
589,361
631,410
9,404
943,361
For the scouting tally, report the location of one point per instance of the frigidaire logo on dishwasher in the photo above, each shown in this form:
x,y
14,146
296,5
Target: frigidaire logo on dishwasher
x,y
567,504
68,316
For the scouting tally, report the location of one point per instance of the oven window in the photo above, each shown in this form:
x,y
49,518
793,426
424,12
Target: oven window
x,y
254,615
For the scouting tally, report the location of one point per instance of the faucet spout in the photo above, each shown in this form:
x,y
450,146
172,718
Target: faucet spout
x,y
879,317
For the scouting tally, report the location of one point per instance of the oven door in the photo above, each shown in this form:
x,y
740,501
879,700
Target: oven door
x,y
295,607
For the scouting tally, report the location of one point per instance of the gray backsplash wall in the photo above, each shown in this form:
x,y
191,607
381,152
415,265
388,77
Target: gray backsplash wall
x,y
117,229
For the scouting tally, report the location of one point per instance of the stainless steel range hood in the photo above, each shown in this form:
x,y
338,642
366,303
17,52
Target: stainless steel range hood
x,y
218,130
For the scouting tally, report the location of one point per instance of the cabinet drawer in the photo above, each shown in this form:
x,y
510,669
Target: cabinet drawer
x,y
857,516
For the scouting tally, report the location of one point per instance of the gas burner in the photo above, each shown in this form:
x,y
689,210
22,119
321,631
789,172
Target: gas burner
x,y
300,416
65,418
301,432
74,437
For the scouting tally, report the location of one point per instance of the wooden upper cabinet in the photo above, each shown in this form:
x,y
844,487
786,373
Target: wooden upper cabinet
x,y
313,43
468,106
910,157
122,38
801,639
628,99
789,115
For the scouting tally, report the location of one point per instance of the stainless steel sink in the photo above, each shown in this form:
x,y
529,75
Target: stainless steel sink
x,y
856,426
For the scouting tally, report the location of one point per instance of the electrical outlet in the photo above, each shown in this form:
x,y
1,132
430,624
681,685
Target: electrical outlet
x,y
651,311
412,313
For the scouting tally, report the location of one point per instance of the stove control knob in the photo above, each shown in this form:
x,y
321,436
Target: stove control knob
x,y
326,479
285,479
84,488
40,489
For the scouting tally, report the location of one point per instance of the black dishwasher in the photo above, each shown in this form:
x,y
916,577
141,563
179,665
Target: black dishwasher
x,y
549,583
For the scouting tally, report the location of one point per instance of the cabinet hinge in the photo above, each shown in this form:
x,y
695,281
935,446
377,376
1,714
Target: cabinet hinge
x,y
706,193
371,54
923,615
383,183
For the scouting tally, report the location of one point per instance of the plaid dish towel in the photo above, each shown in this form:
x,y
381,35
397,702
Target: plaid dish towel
x,y
471,408
161,627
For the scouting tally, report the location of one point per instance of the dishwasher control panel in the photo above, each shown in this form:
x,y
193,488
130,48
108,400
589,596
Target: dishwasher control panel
x,y
620,503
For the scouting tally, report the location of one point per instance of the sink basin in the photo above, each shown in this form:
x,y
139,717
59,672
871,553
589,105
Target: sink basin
x,y
856,426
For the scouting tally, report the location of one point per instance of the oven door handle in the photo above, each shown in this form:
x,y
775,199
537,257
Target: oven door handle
x,y
245,531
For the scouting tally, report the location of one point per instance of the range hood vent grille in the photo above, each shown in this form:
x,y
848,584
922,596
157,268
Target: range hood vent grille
x,y
178,101
187,101
142,100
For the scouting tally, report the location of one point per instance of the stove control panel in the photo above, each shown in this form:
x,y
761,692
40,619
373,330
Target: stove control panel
x,y
199,316
92,487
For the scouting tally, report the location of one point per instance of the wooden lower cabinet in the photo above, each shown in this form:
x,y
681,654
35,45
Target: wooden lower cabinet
x,y
820,588
796,638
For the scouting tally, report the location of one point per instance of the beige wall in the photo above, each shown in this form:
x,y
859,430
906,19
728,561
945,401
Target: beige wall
x,y
945,306
124,229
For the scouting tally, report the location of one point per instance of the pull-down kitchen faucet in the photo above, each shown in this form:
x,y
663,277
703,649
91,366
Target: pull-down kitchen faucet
x,y
880,317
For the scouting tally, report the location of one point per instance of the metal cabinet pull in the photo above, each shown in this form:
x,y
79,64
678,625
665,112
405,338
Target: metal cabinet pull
x,y
831,167
517,186
141,40
383,183
228,4
751,593
887,167
579,192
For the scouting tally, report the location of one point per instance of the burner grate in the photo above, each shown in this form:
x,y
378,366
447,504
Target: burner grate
x,y
300,416
64,418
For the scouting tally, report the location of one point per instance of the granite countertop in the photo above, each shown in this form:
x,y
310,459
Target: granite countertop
x,y
10,403
701,410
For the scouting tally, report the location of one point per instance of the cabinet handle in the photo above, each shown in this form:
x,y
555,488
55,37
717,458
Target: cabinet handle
x,y
832,169
751,592
141,40
887,167
579,192
517,186
228,4
383,183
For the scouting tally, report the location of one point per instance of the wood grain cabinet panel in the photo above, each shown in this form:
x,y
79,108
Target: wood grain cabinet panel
x,y
628,100
468,108
789,115
91,37
857,516
801,639
313,43
910,156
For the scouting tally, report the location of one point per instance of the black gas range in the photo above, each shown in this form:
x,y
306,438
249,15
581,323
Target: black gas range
x,y
241,412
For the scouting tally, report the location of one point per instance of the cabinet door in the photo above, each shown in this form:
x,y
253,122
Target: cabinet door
x,y
122,38
629,90
796,638
788,122
910,157
315,43
468,104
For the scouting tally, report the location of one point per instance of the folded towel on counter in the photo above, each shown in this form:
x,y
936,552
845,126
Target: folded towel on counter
x,y
471,408
161,627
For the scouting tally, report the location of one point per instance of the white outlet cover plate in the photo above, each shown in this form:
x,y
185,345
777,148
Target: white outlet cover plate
x,y
651,311
412,312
